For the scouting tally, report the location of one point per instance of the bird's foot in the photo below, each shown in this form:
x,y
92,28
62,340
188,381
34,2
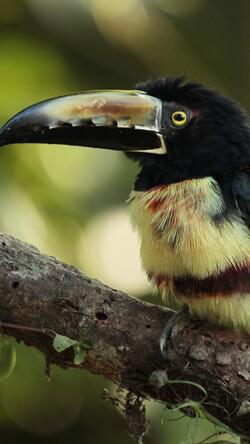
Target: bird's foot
x,y
174,325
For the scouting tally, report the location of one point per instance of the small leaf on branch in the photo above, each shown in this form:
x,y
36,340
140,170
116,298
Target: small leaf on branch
x,y
79,354
86,343
61,343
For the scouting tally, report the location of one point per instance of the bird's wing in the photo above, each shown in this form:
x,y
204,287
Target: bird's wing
x,y
241,191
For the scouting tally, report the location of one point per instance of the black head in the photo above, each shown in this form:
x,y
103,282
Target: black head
x,y
211,138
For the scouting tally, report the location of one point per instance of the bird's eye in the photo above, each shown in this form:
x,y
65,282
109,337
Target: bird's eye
x,y
179,118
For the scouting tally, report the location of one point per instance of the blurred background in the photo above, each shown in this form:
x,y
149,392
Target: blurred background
x,y
70,202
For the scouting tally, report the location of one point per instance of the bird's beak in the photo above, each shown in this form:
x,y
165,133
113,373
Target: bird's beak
x,y
118,120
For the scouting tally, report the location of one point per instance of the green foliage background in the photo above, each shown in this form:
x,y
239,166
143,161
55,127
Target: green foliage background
x,y
70,201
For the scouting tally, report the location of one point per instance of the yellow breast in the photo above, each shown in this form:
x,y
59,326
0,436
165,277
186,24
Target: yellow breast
x,y
184,230
192,246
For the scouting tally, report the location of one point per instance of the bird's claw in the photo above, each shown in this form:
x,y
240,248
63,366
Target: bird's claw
x,y
174,325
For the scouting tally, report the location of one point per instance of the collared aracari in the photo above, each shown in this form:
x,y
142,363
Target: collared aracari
x,y
191,200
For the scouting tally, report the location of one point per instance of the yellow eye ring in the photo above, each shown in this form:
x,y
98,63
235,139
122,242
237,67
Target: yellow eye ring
x,y
179,118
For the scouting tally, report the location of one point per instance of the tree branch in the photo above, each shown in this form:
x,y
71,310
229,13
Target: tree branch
x,y
41,292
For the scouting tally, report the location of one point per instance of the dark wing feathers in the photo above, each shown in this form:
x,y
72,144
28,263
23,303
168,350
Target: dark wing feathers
x,y
241,191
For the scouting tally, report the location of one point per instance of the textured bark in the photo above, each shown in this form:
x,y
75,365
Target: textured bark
x,y
41,292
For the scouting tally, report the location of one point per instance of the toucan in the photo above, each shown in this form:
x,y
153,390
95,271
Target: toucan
x,y
190,203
